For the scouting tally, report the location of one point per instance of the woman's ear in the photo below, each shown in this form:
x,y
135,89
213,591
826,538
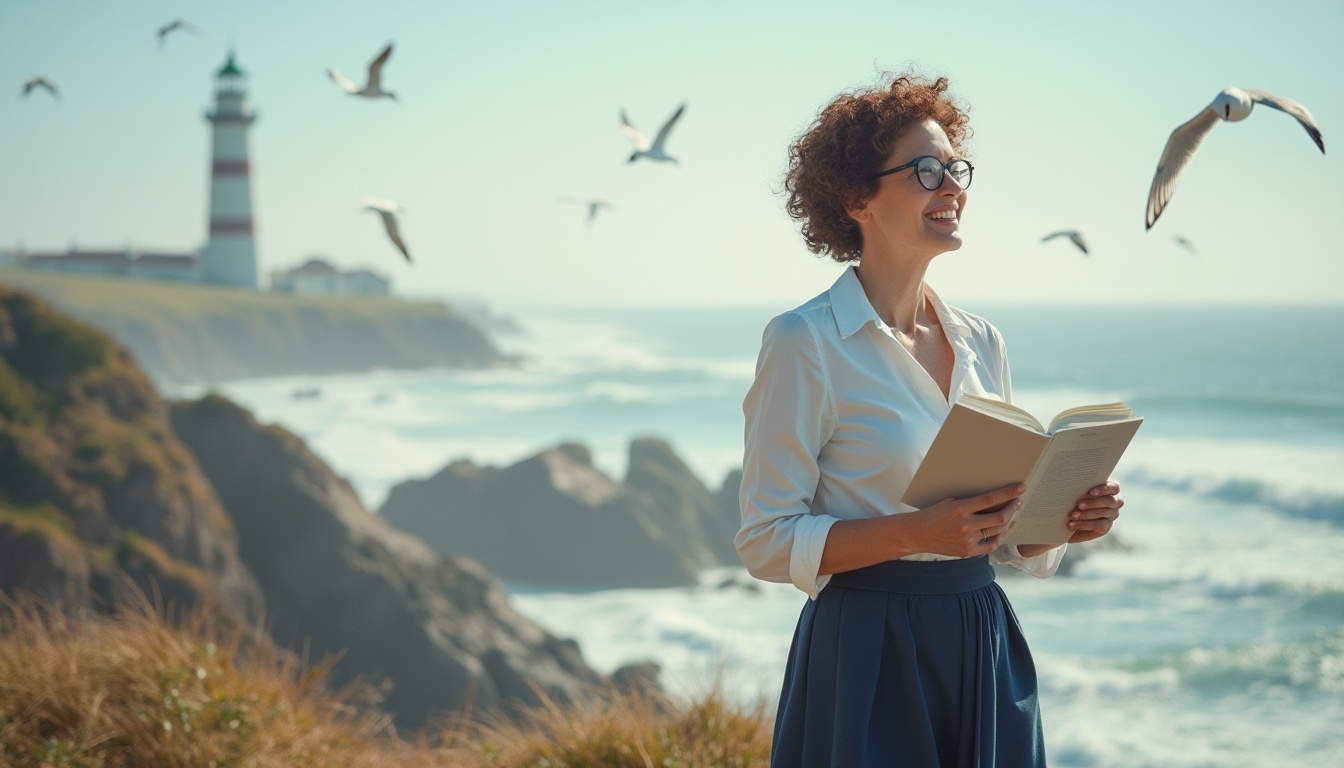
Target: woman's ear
x,y
860,215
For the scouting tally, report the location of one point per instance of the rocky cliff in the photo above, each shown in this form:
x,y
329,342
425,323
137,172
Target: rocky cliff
x,y
106,489
554,520
339,579
97,496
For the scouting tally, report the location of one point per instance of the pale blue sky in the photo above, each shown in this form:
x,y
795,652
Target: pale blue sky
x,y
507,106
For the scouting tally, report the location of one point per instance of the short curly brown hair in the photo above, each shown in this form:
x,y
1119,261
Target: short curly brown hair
x,y
849,141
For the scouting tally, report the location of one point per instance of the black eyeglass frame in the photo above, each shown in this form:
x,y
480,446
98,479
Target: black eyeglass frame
x,y
942,176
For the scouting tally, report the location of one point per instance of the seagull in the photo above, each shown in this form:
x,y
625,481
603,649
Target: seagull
x,y
40,81
373,88
1072,234
1231,104
643,148
593,206
388,209
173,25
1186,244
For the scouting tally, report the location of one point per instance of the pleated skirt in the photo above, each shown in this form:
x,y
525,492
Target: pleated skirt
x,y
909,663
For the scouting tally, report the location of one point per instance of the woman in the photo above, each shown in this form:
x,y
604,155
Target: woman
x,y
907,653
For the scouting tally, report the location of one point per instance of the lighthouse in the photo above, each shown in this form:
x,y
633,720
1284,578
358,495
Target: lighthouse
x,y
230,253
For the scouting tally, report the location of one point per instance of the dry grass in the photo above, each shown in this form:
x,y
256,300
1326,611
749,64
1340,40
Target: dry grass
x,y
621,730
133,690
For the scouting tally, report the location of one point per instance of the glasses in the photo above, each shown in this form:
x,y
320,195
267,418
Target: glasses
x,y
929,170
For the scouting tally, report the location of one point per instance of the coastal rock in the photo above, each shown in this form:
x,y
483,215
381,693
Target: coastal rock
x,y
98,498
553,520
339,580
683,502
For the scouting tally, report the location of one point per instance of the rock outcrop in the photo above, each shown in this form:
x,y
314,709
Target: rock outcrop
x,y
106,491
97,496
554,520
338,579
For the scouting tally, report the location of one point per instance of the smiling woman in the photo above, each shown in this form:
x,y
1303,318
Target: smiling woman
x,y
838,163
907,653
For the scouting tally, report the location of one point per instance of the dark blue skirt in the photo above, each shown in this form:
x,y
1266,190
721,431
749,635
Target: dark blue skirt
x,y
909,663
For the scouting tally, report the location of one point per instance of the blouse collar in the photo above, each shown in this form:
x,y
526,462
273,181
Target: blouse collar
x,y
852,310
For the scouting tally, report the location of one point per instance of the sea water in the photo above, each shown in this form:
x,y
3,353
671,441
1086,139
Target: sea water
x,y
1216,638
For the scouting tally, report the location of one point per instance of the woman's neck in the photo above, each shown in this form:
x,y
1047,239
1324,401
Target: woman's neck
x,y
895,288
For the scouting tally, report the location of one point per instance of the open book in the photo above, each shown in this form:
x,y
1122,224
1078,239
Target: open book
x,y
987,444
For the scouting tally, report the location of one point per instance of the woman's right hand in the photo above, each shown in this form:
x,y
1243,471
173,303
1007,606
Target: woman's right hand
x,y
964,527
952,527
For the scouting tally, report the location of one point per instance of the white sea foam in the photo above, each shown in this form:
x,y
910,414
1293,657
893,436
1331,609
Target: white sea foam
x,y
1203,463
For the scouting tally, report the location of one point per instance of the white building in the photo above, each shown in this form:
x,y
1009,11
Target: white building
x,y
317,276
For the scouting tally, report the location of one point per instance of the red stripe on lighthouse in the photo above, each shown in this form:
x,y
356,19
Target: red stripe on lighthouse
x,y
230,168
230,226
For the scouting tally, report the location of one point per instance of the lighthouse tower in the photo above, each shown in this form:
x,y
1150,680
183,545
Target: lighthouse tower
x,y
230,254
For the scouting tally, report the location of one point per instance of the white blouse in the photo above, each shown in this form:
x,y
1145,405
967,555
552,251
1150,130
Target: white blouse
x,y
838,419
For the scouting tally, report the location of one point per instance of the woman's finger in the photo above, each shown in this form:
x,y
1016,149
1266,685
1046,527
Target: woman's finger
x,y
1101,502
1108,488
993,498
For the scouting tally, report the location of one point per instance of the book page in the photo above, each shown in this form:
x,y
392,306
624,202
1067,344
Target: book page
x,y
1076,460
1004,411
973,453
1090,414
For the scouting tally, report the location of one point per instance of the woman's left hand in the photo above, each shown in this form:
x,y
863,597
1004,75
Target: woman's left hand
x,y
1096,512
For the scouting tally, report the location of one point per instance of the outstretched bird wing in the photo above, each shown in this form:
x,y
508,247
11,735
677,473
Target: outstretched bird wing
x,y
1293,108
175,24
640,141
1180,150
342,80
1073,235
390,223
667,127
40,82
376,67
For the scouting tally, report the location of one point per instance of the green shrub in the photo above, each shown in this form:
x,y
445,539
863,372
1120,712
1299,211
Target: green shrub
x,y
20,400
59,346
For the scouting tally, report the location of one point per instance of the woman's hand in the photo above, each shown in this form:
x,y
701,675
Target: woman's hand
x,y
965,527
954,527
1095,513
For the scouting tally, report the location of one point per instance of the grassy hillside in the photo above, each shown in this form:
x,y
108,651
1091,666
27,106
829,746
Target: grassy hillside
x,y
183,333
132,690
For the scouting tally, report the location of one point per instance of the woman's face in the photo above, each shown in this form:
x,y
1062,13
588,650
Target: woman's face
x,y
904,216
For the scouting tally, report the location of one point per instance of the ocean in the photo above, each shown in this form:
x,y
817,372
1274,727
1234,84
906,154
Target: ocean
x,y
1215,639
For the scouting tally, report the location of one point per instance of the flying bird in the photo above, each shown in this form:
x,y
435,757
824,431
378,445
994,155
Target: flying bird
x,y
643,148
388,210
1186,244
1231,104
373,87
174,25
1074,235
594,206
40,81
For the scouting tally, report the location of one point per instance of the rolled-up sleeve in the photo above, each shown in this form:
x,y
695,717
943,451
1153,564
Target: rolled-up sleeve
x,y
790,414
1042,566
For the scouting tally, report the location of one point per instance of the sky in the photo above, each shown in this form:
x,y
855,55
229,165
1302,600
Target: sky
x,y
507,107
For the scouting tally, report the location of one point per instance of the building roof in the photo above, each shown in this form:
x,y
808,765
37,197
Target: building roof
x,y
231,68
86,257
165,260
315,267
